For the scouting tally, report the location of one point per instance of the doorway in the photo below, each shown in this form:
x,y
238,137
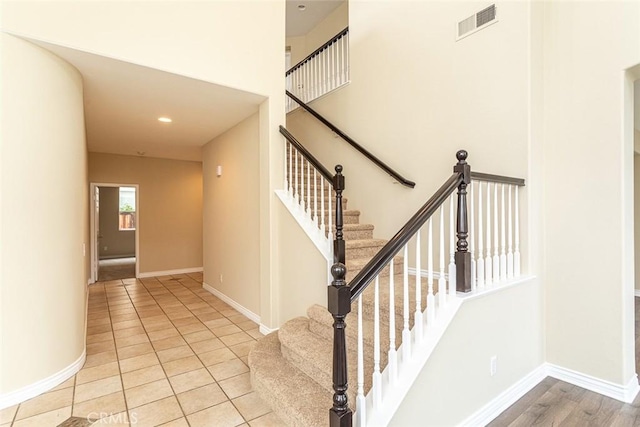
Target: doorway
x,y
114,222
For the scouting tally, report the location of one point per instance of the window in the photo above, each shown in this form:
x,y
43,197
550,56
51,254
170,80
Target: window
x,y
127,220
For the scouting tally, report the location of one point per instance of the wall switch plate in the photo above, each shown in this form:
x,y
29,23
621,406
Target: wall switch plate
x,y
493,365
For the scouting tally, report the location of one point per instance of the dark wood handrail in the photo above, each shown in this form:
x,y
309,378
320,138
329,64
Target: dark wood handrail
x,y
307,155
479,176
318,50
353,143
388,251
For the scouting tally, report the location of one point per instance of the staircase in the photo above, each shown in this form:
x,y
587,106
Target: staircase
x,y
291,368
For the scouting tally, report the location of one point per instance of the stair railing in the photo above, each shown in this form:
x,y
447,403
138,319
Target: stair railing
x,y
395,175
442,284
310,187
325,69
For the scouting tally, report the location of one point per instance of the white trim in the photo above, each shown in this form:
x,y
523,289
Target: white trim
x,y
44,385
264,330
478,293
310,228
169,272
637,292
248,313
93,229
495,407
499,404
625,393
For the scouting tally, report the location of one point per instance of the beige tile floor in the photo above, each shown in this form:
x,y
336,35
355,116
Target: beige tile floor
x,y
160,351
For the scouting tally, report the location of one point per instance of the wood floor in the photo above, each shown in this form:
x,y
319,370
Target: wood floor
x,y
556,403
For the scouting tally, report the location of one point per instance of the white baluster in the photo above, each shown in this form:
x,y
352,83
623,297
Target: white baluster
x,y
503,244
361,405
487,260
323,60
330,197
431,303
496,244
377,376
393,359
302,201
417,317
297,191
348,67
452,249
309,189
516,254
442,282
286,155
315,197
406,333
480,262
509,239
472,221
322,227
290,162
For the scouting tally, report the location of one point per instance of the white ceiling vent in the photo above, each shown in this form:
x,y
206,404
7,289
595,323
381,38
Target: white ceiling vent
x,y
476,22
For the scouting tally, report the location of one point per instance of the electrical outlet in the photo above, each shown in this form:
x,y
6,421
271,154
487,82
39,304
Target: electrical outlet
x,y
493,365
221,278
106,248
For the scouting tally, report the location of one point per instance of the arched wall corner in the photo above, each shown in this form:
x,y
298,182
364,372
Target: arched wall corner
x,y
43,221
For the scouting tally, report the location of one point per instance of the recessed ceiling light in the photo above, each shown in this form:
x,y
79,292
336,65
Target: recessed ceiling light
x,y
164,119
301,7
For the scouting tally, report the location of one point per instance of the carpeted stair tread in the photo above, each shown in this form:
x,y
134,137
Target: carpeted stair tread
x,y
296,398
313,355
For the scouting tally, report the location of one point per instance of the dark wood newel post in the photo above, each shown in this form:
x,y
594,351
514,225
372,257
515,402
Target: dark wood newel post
x,y
338,242
462,256
339,306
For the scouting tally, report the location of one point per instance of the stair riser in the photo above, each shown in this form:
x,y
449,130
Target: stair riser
x,y
397,269
365,252
358,234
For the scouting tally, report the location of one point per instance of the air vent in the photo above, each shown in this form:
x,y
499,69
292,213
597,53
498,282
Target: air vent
x,y
477,21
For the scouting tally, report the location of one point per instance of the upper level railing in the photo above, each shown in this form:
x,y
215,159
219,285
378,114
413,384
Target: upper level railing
x,y
402,180
463,222
322,71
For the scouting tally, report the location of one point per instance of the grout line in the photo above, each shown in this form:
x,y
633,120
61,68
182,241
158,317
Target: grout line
x,y
126,405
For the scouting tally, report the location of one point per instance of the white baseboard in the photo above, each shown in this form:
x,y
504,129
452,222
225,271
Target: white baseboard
x,y
170,272
44,385
265,330
637,292
624,393
248,313
491,410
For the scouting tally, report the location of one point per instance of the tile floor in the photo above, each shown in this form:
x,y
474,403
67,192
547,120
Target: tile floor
x,y
160,351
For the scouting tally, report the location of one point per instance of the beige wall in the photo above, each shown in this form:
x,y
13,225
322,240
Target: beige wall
x,y
303,269
43,215
191,39
588,246
113,242
170,207
302,46
455,381
417,96
231,214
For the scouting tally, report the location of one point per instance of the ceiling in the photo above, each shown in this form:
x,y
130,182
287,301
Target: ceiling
x,y
300,22
123,102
